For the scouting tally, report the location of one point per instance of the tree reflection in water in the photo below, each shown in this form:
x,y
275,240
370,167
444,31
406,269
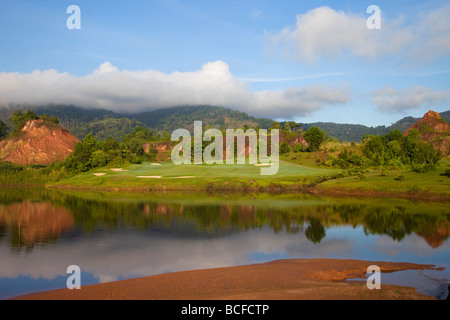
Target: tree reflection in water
x,y
39,216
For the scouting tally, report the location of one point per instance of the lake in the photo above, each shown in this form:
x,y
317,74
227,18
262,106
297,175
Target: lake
x,y
115,236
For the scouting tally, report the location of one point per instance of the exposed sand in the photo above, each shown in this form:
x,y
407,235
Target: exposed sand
x,y
118,169
159,177
264,164
183,177
150,177
99,174
296,279
155,164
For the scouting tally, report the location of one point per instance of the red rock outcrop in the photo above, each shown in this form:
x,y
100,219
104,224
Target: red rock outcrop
x,y
40,143
435,130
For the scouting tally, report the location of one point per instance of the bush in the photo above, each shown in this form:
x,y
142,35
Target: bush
x,y
18,120
298,147
423,168
361,176
342,174
400,178
446,173
9,167
98,159
315,137
284,148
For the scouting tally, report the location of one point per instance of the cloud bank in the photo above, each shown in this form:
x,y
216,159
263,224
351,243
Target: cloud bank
x,y
324,33
389,99
135,91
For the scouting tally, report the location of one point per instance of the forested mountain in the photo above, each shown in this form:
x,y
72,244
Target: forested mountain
x,y
354,132
170,119
104,123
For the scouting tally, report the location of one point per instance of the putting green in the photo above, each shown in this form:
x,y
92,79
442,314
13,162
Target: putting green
x,y
192,175
168,169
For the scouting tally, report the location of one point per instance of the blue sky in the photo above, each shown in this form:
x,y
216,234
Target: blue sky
x,y
301,60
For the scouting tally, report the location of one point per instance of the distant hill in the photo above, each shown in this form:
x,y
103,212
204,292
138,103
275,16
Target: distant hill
x,y
435,130
104,123
170,119
355,132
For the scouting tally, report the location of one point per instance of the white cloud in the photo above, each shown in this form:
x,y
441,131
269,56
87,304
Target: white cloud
x,y
324,33
256,14
133,91
389,99
115,255
433,35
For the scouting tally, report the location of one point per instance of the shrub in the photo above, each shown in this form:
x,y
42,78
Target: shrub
x,y
315,137
400,178
284,148
98,159
361,176
423,168
9,167
298,147
342,174
446,173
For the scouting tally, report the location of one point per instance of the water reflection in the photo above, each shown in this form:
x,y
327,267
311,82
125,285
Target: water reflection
x,y
36,216
34,222
113,236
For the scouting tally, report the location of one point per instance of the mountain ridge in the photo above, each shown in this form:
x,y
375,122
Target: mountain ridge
x,y
103,123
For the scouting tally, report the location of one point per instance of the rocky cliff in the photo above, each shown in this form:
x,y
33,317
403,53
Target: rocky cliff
x,y
39,143
434,129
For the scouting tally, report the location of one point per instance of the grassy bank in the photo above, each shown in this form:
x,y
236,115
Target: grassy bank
x,y
167,176
396,182
290,177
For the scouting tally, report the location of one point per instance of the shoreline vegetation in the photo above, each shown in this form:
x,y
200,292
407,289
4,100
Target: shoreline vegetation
x,y
375,185
147,177
297,279
395,165
165,176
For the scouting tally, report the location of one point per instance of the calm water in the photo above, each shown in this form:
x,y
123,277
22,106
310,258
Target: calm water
x,y
114,236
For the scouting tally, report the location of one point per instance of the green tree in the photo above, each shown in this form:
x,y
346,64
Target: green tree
x,y
298,147
134,145
18,120
110,144
314,137
89,141
284,147
292,126
276,125
98,159
4,130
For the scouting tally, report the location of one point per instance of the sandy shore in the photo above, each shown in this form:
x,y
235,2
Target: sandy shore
x,y
298,279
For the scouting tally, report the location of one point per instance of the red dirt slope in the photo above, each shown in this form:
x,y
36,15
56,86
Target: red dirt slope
x,y
434,129
41,143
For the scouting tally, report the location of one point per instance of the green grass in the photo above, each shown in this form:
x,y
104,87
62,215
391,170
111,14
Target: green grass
x,y
204,176
413,184
299,176
309,159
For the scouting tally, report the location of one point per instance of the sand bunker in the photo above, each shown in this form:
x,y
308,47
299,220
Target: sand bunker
x,y
99,174
264,164
118,169
155,164
184,177
150,177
